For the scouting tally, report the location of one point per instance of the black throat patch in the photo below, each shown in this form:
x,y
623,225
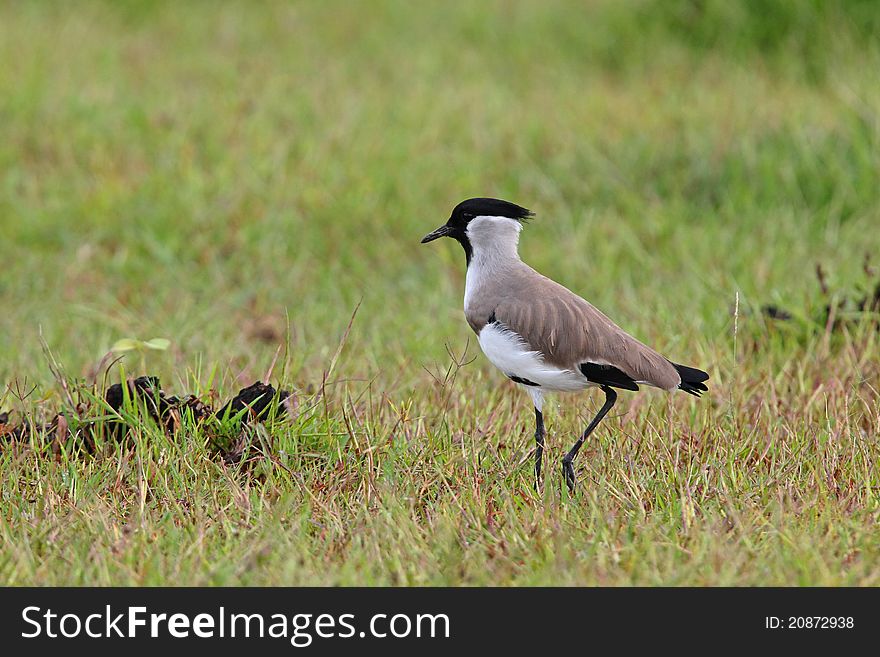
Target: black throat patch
x,y
462,238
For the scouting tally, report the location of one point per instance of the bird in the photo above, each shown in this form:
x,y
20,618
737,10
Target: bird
x,y
541,335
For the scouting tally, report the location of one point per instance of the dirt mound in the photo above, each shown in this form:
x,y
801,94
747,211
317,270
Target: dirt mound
x,y
140,398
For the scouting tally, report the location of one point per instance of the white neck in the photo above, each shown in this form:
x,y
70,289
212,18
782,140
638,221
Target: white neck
x,y
494,244
494,238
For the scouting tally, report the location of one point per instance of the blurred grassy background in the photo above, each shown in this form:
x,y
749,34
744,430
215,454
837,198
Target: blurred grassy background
x,y
202,171
176,171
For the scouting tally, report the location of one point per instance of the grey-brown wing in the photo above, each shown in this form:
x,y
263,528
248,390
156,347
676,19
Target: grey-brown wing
x,y
570,332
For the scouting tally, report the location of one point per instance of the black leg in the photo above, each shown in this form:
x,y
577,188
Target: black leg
x,y
567,469
539,450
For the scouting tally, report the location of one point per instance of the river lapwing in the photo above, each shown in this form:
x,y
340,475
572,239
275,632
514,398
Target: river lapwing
x,y
540,334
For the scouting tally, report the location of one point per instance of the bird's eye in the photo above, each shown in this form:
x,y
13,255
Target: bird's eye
x,y
468,215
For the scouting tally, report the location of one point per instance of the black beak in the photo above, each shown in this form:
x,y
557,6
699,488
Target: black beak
x,y
443,231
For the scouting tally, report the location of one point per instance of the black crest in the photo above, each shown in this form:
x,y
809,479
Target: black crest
x,y
487,207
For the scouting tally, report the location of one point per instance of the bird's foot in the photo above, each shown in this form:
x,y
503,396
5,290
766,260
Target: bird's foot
x,y
539,455
568,475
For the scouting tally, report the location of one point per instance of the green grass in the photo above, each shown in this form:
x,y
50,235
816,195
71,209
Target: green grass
x,y
214,173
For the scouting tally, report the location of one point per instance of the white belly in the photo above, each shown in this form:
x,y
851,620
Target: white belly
x,y
509,353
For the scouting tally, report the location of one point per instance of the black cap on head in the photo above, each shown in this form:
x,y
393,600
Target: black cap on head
x,y
488,207
456,226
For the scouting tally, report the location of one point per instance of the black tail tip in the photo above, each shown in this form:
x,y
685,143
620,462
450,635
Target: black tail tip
x,y
692,379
